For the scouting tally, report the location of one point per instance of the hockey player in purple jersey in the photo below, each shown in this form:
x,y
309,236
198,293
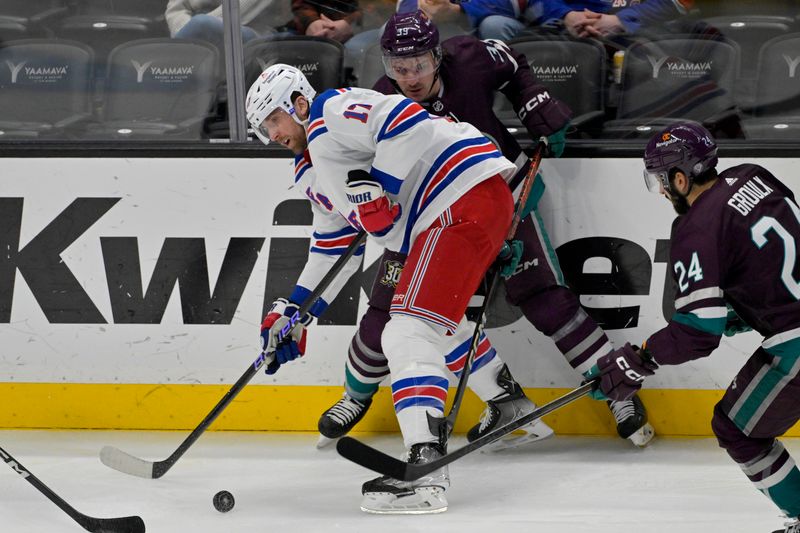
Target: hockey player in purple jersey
x,y
734,259
460,79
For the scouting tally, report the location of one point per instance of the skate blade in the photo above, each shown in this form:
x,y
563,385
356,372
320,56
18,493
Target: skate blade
x,y
643,436
425,500
535,432
325,443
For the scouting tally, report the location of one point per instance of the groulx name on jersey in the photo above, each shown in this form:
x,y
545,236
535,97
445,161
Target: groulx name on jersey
x,y
748,195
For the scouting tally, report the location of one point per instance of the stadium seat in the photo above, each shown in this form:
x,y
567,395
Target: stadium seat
x,y
151,9
158,88
776,108
677,78
106,24
21,19
750,32
573,70
44,91
320,59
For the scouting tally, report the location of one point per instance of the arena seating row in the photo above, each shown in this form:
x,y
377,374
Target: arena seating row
x,y
50,88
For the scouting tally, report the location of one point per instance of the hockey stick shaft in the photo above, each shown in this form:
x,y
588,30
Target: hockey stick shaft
x,y
119,460
128,524
525,191
384,464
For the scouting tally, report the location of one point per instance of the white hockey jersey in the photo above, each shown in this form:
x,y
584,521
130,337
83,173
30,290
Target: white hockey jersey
x,y
424,163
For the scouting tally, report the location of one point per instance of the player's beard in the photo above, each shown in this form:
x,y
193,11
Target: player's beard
x,y
679,203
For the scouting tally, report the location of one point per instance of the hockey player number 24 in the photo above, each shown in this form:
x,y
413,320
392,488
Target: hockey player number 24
x,y
758,232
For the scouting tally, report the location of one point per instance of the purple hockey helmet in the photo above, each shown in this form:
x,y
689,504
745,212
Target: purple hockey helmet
x,y
405,43
685,146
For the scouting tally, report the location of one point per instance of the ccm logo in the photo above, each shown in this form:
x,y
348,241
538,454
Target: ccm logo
x,y
13,464
629,372
533,103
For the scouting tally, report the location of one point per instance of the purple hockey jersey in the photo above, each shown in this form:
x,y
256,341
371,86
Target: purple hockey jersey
x,y
737,245
472,71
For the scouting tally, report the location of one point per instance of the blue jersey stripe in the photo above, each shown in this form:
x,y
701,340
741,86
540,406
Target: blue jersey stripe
x,y
424,381
416,401
335,251
389,182
403,126
299,296
318,105
416,208
316,133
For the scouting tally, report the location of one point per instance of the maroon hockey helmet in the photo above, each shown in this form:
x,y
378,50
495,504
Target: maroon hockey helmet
x,y
410,36
685,146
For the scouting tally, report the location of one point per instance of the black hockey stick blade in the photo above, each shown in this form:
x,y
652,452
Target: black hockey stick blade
x,y
376,460
128,464
127,524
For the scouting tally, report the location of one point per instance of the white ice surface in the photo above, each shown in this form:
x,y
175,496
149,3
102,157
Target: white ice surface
x,y
283,484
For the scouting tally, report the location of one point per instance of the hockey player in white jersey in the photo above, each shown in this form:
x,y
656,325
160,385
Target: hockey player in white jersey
x,y
419,185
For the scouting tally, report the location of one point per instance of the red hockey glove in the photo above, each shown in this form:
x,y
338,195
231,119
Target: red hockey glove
x,y
291,347
376,213
622,372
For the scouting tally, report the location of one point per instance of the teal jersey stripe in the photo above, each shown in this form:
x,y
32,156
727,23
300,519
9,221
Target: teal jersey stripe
x,y
714,326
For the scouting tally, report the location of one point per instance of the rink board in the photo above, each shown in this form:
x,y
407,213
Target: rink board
x,y
132,290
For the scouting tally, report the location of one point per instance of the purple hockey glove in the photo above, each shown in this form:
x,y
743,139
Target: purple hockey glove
x,y
622,372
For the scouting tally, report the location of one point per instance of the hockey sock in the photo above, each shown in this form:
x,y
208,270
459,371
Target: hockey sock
x,y
485,365
419,385
365,369
776,475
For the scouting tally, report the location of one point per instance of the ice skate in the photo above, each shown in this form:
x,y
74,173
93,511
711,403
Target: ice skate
x,y
337,421
385,495
505,409
792,526
632,424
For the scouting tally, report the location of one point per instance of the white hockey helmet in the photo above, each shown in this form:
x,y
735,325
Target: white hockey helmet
x,y
273,89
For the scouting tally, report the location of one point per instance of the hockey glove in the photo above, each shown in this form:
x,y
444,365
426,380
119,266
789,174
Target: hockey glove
x,y
622,372
557,140
509,257
376,213
291,347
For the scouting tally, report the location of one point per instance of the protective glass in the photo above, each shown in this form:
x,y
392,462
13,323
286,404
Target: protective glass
x,y
410,68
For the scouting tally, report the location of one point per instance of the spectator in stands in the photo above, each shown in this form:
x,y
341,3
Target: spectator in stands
x,y
202,19
606,18
332,19
490,19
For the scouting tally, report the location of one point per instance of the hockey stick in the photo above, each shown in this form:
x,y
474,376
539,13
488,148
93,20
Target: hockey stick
x,y
525,191
124,462
128,524
376,460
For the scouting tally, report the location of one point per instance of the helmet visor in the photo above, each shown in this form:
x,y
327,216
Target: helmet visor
x,y
262,133
656,180
410,68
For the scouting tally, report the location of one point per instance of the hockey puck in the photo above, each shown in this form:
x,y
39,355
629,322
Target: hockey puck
x,y
223,501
